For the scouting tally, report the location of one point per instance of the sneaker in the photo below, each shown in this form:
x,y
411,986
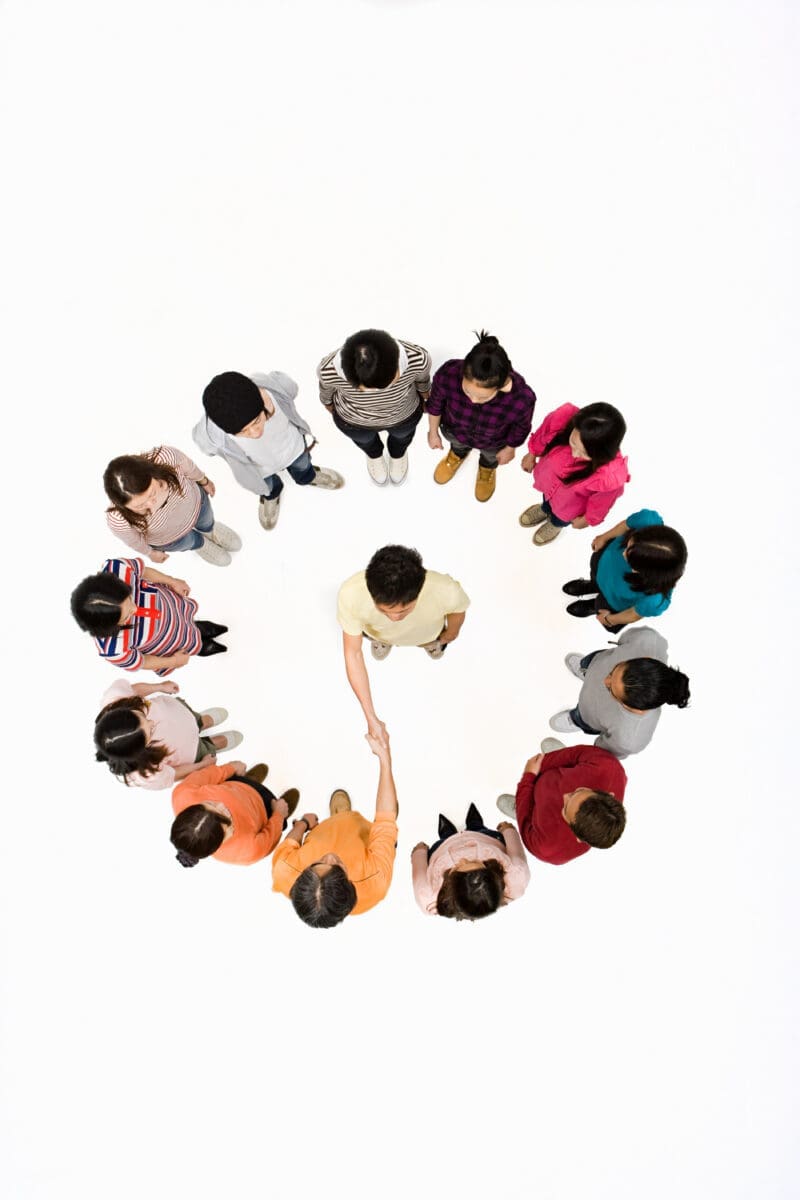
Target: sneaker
x,y
232,738
210,552
578,587
447,467
327,479
291,796
507,805
550,745
582,608
546,533
485,483
379,650
217,715
339,802
258,772
562,722
532,516
378,471
268,512
573,662
398,469
225,537
435,650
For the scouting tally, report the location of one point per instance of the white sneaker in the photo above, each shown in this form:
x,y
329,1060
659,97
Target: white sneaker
x,y
327,478
269,511
232,739
225,537
217,715
378,471
398,468
573,662
507,805
550,745
212,553
562,722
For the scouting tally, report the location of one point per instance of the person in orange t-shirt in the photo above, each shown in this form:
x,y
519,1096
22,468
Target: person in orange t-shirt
x,y
344,864
227,813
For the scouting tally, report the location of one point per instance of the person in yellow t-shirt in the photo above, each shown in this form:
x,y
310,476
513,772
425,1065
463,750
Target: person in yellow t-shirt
x,y
344,864
396,602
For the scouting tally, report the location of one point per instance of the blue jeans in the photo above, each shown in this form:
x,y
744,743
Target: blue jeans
x,y
554,520
575,712
399,439
194,539
301,471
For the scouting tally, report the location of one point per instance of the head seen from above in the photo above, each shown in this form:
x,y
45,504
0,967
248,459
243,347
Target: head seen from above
x,y
596,818
198,832
137,485
657,556
470,890
322,894
102,604
235,405
123,738
487,370
370,359
594,433
641,684
395,577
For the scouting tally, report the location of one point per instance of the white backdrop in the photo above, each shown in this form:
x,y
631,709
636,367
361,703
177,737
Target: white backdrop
x,y
199,187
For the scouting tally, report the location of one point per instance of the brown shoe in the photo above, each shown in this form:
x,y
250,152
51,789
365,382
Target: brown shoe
x,y
258,773
484,483
546,533
291,796
532,516
340,802
447,467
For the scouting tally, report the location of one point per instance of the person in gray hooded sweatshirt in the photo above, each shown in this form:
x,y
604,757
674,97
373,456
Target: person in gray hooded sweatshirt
x,y
252,423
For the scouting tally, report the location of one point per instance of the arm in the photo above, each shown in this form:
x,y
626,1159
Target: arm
x,y
599,505
146,689
423,377
127,534
434,437
358,679
453,628
386,800
154,662
603,539
519,875
419,879
190,768
177,585
626,617
327,389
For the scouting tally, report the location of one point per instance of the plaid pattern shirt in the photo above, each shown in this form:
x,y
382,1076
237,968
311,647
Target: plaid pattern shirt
x,y
503,421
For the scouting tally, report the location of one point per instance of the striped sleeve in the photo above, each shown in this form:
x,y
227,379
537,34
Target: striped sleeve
x,y
119,648
181,462
326,374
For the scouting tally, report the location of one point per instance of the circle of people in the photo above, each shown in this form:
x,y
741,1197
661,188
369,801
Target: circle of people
x,y
568,799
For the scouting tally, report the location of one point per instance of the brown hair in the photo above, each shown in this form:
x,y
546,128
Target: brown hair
x,y
600,820
130,475
470,895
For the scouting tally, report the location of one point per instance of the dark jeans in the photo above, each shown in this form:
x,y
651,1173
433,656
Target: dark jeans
x,y
204,523
488,458
474,824
554,520
301,470
600,600
266,795
399,439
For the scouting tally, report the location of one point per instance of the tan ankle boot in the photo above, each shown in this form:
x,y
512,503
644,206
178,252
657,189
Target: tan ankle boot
x,y
447,467
485,483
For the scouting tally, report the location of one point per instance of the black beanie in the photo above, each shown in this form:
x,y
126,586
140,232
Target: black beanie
x,y
232,401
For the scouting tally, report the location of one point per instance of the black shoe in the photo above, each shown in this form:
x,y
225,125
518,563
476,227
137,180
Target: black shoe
x,y
208,648
211,629
578,587
582,608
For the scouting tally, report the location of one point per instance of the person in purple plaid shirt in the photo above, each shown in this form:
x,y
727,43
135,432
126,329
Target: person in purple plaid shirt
x,y
479,403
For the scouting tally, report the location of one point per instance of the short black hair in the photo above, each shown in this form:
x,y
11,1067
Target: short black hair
x,y
599,821
323,901
487,363
97,601
649,683
395,575
370,358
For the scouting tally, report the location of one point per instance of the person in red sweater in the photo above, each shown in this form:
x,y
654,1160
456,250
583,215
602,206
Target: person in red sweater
x,y
568,801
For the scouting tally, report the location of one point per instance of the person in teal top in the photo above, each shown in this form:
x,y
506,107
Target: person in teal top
x,y
633,570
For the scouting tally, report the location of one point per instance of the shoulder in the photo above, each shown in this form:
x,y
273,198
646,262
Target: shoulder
x,y
454,367
326,367
417,355
278,382
643,518
353,593
613,474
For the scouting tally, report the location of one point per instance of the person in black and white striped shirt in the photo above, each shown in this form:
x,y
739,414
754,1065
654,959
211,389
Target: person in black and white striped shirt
x,y
377,382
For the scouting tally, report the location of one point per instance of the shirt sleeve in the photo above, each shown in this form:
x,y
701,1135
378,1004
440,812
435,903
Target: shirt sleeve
x,y
423,892
285,866
206,777
456,600
600,504
518,875
263,842
327,386
182,463
553,423
127,534
435,403
643,518
382,846
346,614
422,377
520,427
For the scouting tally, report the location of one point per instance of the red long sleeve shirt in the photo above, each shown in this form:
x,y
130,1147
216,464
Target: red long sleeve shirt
x,y
540,799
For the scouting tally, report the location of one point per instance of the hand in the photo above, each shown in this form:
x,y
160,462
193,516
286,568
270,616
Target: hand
x,y
237,767
419,846
169,687
208,487
158,556
533,764
280,806
600,541
505,455
434,441
310,819
505,825
180,586
180,659
603,616
579,523
377,746
377,730
528,462
210,760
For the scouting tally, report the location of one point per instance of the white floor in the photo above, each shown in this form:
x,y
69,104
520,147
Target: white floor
x,y
609,188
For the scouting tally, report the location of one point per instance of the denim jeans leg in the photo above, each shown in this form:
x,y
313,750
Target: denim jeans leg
x,y
587,660
552,518
401,436
302,470
579,721
205,518
366,439
460,449
190,541
273,486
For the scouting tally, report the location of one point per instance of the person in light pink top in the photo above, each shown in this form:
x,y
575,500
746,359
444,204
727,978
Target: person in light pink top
x,y
471,874
150,738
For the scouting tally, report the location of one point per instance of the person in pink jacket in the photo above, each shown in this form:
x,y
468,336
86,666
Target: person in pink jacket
x,y
471,874
576,464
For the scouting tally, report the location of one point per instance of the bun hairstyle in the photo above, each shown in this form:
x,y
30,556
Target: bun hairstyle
x,y
196,833
96,603
649,683
487,363
370,358
120,741
130,475
657,556
470,895
601,428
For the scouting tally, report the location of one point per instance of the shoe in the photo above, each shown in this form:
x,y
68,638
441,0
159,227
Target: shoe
x,y
217,715
258,772
573,662
327,479
378,471
436,650
232,738
398,469
562,722
507,805
209,648
550,745
546,533
291,796
269,511
210,552
447,467
379,650
211,629
339,802
578,587
485,483
225,537
582,608
532,516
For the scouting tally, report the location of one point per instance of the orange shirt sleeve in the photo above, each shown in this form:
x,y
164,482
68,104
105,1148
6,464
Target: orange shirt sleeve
x,y
381,849
285,866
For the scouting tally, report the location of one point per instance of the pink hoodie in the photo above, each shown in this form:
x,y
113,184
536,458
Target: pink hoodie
x,y
591,498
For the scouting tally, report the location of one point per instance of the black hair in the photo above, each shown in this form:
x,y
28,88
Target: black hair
x,y
97,602
470,895
487,363
601,428
657,556
130,475
323,901
196,833
599,821
120,741
648,683
395,575
370,358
